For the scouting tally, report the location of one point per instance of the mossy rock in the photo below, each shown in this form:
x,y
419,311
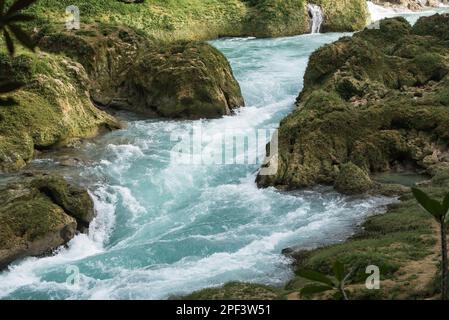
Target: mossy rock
x,y
75,202
435,26
53,107
352,180
39,214
377,99
132,72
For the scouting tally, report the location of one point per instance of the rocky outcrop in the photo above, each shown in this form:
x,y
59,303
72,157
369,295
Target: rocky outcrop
x,y
128,71
40,214
352,180
341,16
414,5
378,99
53,108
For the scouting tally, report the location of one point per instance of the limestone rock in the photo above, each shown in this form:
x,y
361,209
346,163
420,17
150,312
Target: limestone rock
x,y
39,214
352,180
378,99
129,71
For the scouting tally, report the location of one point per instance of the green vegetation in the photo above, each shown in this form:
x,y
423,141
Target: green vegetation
x,y
171,20
10,20
237,291
440,212
325,283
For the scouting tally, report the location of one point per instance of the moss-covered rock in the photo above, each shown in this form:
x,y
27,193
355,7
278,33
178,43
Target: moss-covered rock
x,y
129,71
377,99
74,201
340,16
352,180
53,108
40,214
275,18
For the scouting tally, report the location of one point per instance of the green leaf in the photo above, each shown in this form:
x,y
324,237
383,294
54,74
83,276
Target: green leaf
x,y
339,270
446,203
2,7
9,43
430,205
18,17
8,102
315,276
19,5
313,288
23,38
9,86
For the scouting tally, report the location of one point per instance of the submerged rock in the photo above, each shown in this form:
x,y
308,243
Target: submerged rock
x,y
39,214
377,99
130,71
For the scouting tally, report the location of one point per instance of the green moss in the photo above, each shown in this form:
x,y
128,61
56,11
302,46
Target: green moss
x,y
274,18
236,291
75,202
129,71
342,16
172,20
352,180
52,108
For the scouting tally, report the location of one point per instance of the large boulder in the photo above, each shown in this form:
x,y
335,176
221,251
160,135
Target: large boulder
x,y
40,214
53,108
378,99
130,71
352,180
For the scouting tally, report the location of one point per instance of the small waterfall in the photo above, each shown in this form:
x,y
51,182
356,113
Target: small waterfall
x,y
316,17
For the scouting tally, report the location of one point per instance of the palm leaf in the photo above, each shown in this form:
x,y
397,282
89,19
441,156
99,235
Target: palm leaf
x,y
23,38
339,270
9,43
19,5
2,7
446,203
9,86
313,288
8,102
315,276
430,205
18,17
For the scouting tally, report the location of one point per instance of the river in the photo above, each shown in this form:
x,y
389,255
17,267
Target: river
x,y
165,228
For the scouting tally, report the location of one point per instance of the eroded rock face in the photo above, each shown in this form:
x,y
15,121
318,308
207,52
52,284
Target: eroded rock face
x,y
378,100
40,214
414,5
128,71
54,107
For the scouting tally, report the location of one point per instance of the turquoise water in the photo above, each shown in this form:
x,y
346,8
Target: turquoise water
x,y
166,229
